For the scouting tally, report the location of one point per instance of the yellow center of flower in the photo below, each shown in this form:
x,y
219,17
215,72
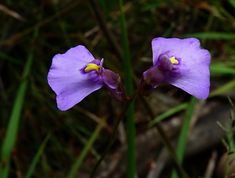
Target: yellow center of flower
x,y
91,66
173,60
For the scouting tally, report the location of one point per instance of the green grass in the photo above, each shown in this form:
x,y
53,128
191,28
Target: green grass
x,y
28,108
168,113
127,66
221,69
79,161
37,157
213,35
14,120
181,145
224,89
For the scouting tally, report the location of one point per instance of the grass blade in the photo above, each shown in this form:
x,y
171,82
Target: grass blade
x,y
218,69
213,35
184,133
77,164
131,152
168,113
37,157
12,128
224,89
5,57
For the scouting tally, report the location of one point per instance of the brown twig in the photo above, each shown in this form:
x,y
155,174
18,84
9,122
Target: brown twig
x,y
206,135
211,165
111,140
27,31
102,24
11,13
127,103
95,118
166,141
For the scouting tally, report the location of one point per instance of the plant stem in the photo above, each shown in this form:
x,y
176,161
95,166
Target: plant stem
x,y
131,152
13,125
184,134
77,164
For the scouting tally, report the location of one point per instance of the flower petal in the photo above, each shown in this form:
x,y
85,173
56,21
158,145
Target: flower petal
x,y
194,71
80,53
194,75
66,79
75,93
179,48
111,79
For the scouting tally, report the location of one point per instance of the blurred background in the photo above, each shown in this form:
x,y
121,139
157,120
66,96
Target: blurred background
x,y
37,140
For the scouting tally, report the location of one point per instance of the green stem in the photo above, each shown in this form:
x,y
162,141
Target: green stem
x,y
77,164
169,113
131,152
184,134
37,157
13,125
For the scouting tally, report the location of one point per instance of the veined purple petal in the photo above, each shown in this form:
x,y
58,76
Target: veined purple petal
x,y
195,75
80,53
181,48
67,80
192,73
75,93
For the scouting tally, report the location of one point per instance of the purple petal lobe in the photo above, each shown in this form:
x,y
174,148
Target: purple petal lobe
x,y
184,64
113,82
111,79
154,76
80,53
180,48
75,93
195,75
66,79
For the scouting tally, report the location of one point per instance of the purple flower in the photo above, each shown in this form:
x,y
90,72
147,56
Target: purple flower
x,y
76,73
182,63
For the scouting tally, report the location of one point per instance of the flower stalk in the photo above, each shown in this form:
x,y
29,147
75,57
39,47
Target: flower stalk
x,y
131,150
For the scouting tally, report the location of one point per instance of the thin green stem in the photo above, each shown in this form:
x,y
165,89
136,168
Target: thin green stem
x,y
37,157
12,128
131,152
168,113
184,134
77,164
